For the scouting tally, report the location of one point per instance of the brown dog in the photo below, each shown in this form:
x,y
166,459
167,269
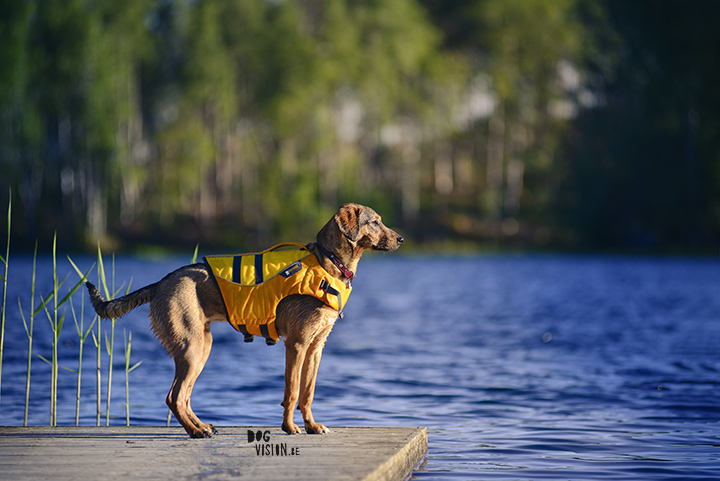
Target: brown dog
x,y
187,301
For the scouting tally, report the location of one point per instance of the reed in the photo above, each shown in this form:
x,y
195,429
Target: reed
x,y
51,362
98,377
98,356
109,346
82,335
5,261
128,370
109,343
29,332
56,324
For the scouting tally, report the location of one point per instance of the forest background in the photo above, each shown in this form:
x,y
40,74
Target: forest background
x,y
552,124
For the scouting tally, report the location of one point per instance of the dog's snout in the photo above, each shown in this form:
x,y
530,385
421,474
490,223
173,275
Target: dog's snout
x,y
400,239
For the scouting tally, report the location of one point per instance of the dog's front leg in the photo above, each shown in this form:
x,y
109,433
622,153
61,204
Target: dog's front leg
x,y
307,386
294,358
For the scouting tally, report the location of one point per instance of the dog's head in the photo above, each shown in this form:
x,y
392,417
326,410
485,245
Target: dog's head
x,y
362,227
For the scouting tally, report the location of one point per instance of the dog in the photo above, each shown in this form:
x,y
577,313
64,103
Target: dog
x,y
187,301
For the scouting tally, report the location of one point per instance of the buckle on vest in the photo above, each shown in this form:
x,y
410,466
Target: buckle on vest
x,y
325,286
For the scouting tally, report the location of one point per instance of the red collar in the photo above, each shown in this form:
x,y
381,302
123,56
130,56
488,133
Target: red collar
x,y
343,268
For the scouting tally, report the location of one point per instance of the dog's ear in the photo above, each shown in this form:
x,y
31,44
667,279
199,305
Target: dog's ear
x,y
347,219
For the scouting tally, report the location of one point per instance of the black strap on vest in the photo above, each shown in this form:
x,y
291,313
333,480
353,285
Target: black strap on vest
x,y
237,269
247,336
258,268
236,277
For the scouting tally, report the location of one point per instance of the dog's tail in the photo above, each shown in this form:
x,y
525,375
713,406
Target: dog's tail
x,y
121,305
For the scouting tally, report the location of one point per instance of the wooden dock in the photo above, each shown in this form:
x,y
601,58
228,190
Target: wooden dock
x,y
154,452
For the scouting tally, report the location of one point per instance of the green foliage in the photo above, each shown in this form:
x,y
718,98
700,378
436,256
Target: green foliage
x,y
643,170
250,120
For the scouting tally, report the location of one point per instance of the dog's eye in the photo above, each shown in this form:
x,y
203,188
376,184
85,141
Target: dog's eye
x,y
376,223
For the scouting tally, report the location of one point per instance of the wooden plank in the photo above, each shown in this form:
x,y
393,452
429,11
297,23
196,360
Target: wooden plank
x,y
154,452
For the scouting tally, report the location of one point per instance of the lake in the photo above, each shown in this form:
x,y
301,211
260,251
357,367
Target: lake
x,y
521,367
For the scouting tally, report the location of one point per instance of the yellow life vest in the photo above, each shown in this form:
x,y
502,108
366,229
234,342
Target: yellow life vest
x,y
253,284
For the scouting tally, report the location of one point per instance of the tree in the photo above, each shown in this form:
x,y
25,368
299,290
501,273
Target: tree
x,y
643,169
526,73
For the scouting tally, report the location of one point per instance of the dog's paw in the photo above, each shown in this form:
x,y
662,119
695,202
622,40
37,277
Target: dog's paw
x,y
315,428
291,428
202,433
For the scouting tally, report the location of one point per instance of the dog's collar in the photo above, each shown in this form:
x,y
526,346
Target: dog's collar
x,y
338,263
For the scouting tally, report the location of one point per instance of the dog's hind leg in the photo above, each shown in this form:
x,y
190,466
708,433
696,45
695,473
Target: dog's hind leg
x,y
206,353
189,364
181,312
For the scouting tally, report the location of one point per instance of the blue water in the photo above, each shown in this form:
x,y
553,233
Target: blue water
x,y
527,367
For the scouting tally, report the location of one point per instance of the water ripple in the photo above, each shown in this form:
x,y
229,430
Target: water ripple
x,y
527,367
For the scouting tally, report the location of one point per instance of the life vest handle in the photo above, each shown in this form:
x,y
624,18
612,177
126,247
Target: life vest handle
x,y
280,246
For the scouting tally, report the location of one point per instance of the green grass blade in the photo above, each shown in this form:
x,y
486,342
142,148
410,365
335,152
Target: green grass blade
x,y
101,274
22,314
127,348
120,289
47,312
77,269
77,326
50,296
72,291
134,366
60,323
43,358
89,329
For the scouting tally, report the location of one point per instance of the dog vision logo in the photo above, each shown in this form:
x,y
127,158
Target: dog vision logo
x,y
264,447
